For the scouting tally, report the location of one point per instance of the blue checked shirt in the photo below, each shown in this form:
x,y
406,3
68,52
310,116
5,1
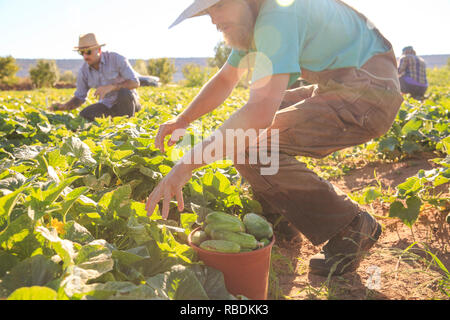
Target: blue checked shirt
x,y
113,69
413,67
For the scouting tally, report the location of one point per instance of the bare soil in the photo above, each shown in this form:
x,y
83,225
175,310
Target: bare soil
x,y
392,270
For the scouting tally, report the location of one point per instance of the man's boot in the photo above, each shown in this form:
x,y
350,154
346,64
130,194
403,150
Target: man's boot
x,y
344,252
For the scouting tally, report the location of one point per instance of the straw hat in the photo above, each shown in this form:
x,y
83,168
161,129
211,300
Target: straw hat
x,y
88,41
195,9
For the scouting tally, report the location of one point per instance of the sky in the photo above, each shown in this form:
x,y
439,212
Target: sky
x,y
139,29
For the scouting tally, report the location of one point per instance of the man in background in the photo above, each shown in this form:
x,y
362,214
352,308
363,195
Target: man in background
x,y
412,71
113,78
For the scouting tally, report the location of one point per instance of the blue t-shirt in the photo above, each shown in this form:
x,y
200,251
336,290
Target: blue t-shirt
x,y
313,34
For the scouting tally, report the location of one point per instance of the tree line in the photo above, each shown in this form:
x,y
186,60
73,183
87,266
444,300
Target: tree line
x,y
47,74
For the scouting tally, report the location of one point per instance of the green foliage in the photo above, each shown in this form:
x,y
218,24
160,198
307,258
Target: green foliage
x,y
197,76
164,68
68,77
8,69
140,67
44,74
73,223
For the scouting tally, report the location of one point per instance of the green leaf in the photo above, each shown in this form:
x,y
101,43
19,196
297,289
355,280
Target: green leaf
x,y
440,180
33,293
77,233
8,202
129,257
164,169
200,211
445,145
7,261
95,257
118,155
56,160
137,231
371,195
150,173
409,214
71,198
223,184
179,283
138,209
17,236
254,206
190,283
213,282
387,144
35,271
113,201
410,187
412,126
410,147
104,291
14,182
63,248
76,148
27,152
50,196
187,220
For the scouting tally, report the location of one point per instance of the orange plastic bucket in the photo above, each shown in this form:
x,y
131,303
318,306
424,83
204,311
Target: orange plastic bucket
x,y
245,273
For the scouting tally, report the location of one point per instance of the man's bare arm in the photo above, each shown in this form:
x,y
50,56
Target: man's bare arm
x,y
127,84
101,92
70,105
258,114
213,94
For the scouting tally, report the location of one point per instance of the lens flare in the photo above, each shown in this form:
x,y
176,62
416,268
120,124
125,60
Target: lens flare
x,y
285,3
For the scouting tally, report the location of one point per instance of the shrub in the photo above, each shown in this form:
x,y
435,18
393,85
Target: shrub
x,y
197,76
163,68
44,74
140,67
222,52
68,77
8,70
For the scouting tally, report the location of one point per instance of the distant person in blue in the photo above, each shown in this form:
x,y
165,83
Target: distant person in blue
x,y
412,71
113,78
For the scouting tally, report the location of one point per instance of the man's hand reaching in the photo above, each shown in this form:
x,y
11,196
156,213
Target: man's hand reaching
x,y
101,92
59,107
176,128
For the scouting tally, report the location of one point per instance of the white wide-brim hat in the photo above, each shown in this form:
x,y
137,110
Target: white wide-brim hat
x,y
194,10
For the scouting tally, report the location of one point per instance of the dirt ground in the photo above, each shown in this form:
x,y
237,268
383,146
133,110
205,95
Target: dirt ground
x,y
389,271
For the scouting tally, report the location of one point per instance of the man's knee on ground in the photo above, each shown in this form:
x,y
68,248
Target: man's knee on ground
x,y
125,94
86,115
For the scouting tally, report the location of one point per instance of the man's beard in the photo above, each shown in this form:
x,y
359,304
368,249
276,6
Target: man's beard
x,y
240,37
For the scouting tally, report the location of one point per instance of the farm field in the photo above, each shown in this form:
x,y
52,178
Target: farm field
x,y
73,223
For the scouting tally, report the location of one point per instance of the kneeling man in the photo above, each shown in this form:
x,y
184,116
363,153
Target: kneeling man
x,y
113,78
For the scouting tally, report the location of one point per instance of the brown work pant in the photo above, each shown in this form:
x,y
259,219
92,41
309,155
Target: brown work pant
x,y
344,108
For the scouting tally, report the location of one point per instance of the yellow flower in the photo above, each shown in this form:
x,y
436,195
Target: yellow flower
x,y
59,226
